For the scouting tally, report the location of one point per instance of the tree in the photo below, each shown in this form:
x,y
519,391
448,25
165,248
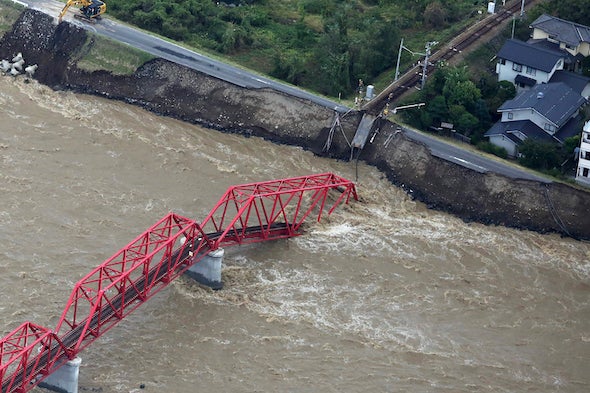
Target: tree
x,y
539,155
435,15
572,10
289,66
437,109
459,90
333,57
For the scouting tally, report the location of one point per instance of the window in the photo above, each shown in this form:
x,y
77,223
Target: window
x,y
531,71
503,61
550,128
517,67
520,135
585,172
510,115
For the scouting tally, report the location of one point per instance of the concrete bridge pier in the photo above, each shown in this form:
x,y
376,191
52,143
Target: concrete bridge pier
x,y
208,270
65,378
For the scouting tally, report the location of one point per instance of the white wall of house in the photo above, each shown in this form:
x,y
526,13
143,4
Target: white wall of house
x,y
583,172
584,49
503,141
509,70
532,115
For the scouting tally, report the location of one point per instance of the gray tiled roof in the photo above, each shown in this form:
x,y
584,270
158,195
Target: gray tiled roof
x,y
531,130
569,58
527,127
558,102
530,55
562,30
575,81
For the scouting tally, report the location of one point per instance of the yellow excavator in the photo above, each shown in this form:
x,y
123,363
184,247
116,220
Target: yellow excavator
x,y
90,10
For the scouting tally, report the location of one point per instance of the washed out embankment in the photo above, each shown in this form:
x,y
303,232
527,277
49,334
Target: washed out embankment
x,y
173,90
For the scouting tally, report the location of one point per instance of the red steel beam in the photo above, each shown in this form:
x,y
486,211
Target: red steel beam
x,y
264,204
246,213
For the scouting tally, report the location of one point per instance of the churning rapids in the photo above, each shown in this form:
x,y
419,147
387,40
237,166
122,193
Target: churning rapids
x,y
382,296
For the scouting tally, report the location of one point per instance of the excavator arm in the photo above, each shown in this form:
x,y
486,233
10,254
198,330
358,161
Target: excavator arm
x,y
90,9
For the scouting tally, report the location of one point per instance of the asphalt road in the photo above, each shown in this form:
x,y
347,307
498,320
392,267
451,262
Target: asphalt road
x,y
469,159
177,54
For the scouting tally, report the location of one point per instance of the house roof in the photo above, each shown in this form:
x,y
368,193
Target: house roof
x,y
562,30
571,128
533,56
527,127
531,130
555,101
576,81
553,46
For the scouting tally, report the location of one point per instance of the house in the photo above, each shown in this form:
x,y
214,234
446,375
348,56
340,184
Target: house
x,y
545,112
583,172
570,36
526,65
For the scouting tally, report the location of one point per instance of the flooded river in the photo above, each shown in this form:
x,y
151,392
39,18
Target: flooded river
x,y
382,296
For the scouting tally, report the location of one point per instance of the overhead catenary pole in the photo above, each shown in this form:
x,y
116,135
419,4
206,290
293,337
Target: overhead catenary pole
x,y
399,55
425,66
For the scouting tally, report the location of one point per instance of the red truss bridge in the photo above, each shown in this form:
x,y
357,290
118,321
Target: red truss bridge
x,y
247,213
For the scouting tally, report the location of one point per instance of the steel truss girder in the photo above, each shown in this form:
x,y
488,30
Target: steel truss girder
x,y
246,213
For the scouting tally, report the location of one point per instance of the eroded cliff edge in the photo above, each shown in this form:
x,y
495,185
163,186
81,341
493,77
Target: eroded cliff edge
x,y
173,90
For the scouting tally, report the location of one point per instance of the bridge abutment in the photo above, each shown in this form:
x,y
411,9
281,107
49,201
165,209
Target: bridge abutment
x,y
208,270
65,378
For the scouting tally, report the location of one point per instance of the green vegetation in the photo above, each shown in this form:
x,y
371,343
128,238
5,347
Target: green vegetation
x,y
549,158
109,55
9,13
489,147
452,96
323,45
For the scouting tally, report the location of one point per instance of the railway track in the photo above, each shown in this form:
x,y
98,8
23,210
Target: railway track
x,y
463,41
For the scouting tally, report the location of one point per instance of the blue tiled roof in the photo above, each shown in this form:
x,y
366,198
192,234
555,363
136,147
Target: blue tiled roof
x,y
562,30
530,55
555,101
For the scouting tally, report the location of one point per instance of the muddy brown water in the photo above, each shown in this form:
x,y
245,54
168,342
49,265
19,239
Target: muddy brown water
x,y
383,296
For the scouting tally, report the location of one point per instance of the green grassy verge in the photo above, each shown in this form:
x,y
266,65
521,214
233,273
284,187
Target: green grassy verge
x,y
9,13
101,53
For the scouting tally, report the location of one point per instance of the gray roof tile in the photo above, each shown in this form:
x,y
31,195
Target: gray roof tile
x,y
530,55
575,81
562,30
556,101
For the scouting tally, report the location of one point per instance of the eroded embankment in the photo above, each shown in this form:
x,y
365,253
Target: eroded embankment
x,y
174,90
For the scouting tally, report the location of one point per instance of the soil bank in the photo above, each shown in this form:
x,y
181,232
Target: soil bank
x,y
173,90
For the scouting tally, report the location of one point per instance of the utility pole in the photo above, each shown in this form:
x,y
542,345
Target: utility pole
x,y
399,55
425,66
427,54
522,9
